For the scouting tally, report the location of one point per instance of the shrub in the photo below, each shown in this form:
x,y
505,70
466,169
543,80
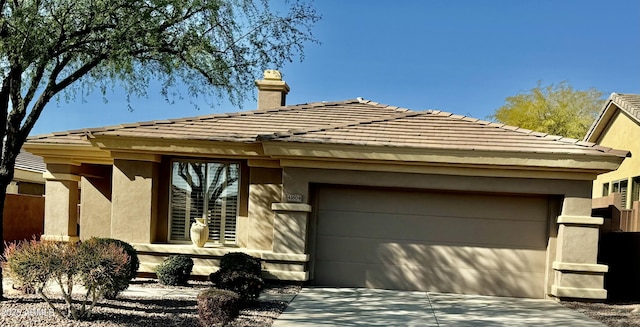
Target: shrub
x,y
102,266
37,264
217,307
238,261
247,286
175,270
239,272
120,282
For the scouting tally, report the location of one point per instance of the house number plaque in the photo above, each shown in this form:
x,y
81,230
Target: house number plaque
x,y
297,198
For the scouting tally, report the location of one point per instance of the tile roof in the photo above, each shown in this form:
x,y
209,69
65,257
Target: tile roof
x,y
356,122
30,162
436,129
236,127
628,102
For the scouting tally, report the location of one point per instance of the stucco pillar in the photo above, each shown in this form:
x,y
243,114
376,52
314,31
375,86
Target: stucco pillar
x,y
265,188
95,216
61,202
576,272
134,198
290,227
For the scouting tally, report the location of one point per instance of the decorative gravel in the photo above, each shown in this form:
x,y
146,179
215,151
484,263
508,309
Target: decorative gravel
x,y
31,310
610,314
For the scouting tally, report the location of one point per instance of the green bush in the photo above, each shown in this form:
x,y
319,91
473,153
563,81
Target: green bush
x,y
38,264
217,307
238,261
239,272
120,282
175,270
247,286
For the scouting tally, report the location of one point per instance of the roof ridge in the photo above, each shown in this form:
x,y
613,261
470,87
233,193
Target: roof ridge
x,y
292,132
400,109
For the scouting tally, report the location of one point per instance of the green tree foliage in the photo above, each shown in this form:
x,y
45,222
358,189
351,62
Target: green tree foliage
x,y
555,109
214,47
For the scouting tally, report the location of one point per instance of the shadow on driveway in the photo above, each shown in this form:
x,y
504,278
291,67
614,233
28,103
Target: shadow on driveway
x,y
371,307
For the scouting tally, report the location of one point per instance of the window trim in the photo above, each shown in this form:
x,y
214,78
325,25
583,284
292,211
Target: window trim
x,y
618,183
605,188
222,241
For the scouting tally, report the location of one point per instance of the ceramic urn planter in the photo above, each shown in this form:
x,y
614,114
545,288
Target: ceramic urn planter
x,y
199,232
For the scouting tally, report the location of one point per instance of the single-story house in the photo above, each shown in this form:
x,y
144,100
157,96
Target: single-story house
x,y
348,193
618,126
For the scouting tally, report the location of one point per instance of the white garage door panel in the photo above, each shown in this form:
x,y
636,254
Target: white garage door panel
x,y
368,251
438,204
419,240
446,280
520,233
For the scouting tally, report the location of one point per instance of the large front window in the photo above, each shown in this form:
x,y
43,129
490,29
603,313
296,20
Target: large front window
x,y
204,190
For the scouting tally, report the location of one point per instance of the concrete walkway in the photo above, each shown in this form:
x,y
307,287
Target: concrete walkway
x,y
369,307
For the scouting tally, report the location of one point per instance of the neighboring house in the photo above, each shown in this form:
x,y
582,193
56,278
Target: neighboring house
x,y
27,175
349,193
616,195
23,214
618,126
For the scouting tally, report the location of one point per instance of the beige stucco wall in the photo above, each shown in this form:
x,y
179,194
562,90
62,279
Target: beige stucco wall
x,y
265,188
621,133
297,180
134,200
61,202
95,200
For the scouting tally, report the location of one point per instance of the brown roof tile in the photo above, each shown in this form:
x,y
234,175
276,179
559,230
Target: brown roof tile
x,y
240,126
30,162
441,130
358,121
628,102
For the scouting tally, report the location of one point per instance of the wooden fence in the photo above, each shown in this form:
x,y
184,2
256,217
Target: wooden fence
x,y
616,219
23,217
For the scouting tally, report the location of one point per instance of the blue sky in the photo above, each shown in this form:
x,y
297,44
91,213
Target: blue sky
x,y
459,56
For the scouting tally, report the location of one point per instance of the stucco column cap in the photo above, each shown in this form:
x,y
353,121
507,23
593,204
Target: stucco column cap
x,y
47,175
580,220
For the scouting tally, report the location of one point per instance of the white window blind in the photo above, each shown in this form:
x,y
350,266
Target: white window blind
x,y
204,190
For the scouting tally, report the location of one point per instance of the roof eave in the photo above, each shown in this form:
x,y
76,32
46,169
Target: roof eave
x,y
591,163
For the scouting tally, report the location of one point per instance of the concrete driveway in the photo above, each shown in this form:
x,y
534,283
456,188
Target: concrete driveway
x,y
370,307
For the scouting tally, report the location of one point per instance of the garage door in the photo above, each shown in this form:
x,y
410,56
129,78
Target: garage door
x,y
431,241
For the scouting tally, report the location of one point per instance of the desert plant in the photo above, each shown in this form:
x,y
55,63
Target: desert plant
x,y
217,307
239,272
175,270
38,264
247,286
120,282
238,261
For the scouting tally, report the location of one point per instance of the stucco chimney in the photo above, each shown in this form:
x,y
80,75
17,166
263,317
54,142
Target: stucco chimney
x,y
272,90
